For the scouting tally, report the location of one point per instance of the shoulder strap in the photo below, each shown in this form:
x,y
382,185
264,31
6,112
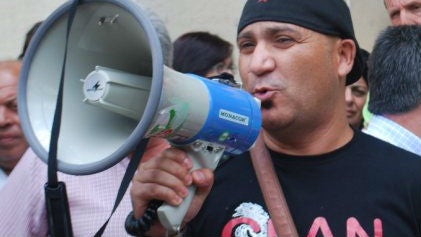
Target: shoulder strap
x,y
272,190
131,169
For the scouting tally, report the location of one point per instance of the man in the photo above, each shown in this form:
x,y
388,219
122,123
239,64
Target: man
x,y
12,141
404,12
91,197
294,57
395,81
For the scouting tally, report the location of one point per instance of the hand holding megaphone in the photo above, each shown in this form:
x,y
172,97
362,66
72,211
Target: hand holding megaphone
x,y
170,177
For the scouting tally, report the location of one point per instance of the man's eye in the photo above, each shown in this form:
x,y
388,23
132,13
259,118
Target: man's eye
x,y
394,14
284,41
415,6
245,46
13,106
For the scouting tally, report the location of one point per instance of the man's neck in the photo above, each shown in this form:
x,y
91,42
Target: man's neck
x,y
7,165
315,142
410,120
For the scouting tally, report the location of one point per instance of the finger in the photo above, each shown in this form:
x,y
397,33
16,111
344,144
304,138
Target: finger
x,y
178,156
156,168
163,178
172,156
202,178
155,146
151,191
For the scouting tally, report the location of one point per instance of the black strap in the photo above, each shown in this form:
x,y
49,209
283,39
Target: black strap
x,y
59,221
58,214
131,169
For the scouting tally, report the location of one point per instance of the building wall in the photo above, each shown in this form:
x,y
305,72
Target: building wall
x,y
217,16
369,18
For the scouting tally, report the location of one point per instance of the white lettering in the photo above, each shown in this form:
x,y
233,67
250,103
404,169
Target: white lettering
x,y
233,117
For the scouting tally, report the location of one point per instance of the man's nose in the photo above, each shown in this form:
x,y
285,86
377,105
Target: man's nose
x,y
262,60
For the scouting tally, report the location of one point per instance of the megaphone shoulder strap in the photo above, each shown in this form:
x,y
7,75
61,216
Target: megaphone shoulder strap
x,y
128,175
55,131
59,221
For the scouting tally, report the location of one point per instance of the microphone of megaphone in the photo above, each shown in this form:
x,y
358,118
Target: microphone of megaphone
x,y
117,91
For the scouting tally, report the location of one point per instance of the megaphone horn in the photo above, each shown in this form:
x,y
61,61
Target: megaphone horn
x,y
91,139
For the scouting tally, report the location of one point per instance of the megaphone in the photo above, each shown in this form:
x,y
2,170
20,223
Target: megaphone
x,y
118,91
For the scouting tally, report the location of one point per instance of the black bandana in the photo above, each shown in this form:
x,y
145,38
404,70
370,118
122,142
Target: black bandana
x,y
329,17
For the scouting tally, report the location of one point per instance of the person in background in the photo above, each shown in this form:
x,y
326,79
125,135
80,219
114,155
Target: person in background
x,y
404,12
28,38
295,57
202,54
356,96
206,55
395,87
13,143
12,140
91,198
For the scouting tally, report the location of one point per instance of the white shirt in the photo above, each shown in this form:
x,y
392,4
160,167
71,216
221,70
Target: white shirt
x,y
393,133
91,198
3,178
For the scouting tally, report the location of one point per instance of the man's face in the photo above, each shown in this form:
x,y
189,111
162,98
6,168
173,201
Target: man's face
x,y
404,12
293,71
12,141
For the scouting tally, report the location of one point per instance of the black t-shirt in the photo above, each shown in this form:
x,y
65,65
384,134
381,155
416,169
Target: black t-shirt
x,y
366,188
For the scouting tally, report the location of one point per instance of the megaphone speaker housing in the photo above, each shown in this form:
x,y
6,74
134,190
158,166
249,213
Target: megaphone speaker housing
x,y
115,34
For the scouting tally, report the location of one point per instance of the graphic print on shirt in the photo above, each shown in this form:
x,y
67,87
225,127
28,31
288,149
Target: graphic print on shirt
x,y
251,220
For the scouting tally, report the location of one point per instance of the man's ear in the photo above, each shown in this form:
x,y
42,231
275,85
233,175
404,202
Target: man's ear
x,y
346,53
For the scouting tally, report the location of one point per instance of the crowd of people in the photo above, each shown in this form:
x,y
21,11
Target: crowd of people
x,y
341,174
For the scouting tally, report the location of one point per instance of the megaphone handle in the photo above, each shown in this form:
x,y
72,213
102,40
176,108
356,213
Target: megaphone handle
x,y
171,217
